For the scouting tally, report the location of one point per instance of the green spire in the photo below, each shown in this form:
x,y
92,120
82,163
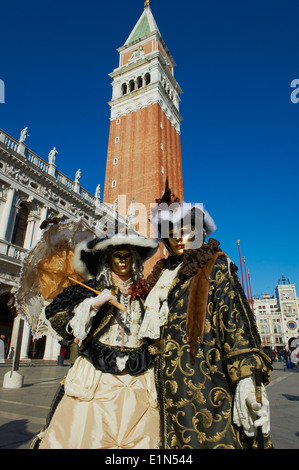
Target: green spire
x,y
143,29
144,26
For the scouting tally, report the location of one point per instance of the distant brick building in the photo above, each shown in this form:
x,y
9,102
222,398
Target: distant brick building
x,y
144,141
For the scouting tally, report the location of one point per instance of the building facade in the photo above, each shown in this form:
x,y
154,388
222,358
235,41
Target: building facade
x,y
144,139
289,307
278,318
32,190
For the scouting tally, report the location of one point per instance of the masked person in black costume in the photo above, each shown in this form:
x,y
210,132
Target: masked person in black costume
x,y
109,398
207,342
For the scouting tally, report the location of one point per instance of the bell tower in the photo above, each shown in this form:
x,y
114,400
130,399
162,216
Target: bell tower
x,y
144,140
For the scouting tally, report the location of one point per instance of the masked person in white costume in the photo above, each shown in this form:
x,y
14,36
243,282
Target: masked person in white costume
x,y
109,398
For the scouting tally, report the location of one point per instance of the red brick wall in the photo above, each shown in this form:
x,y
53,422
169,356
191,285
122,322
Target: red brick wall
x,y
148,47
140,158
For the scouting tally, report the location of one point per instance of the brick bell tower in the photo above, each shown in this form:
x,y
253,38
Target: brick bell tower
x,y
144,144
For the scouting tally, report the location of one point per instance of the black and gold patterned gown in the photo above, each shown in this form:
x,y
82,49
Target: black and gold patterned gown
x,y
196,400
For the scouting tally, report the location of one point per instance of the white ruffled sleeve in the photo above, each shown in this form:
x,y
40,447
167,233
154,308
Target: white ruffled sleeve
x,y
81,322
156,306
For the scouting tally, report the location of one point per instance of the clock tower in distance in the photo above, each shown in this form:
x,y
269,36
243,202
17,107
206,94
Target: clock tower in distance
x,y
144,146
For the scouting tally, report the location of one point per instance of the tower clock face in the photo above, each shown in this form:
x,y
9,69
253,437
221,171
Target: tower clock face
x,y
292,325
287,295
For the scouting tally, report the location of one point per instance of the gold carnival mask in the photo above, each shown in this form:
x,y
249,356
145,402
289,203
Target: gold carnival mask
x,y
179,238
121,262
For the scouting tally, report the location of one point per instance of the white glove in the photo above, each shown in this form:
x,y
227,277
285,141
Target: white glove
x,y
261,410
102,298
84,312
247,411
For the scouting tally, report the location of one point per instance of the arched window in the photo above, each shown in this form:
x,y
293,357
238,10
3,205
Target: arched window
x,y
139,82
113,184
147,78
115,161
131,85
124,89
19,231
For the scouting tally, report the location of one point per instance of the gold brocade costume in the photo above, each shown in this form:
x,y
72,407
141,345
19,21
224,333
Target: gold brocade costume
x,y
196,400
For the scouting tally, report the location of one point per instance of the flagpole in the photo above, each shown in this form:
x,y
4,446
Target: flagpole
x,y
241,264
248,294
246,278
249,281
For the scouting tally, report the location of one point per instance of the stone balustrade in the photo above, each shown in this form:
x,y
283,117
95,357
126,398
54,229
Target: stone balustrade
x,y
36,160
51,169
12,251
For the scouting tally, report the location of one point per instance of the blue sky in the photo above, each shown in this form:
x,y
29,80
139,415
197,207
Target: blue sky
x,y
239,135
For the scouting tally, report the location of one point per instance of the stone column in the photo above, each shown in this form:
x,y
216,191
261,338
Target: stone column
x,y
52,348
25,341
6,213
36,230
29,232
42,217
14,338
